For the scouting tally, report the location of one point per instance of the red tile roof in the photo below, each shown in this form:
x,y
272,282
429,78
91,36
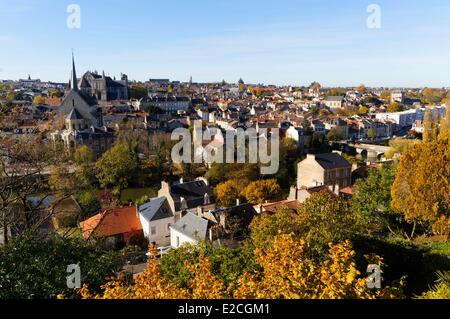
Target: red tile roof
x,y
113,222
273,207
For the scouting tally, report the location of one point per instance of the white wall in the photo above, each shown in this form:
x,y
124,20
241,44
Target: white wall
x,y
162,231
183,239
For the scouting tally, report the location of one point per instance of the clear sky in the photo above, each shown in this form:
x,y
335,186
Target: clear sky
x,y
273,42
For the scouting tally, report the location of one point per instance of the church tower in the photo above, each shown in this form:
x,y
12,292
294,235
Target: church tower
x,y
73,76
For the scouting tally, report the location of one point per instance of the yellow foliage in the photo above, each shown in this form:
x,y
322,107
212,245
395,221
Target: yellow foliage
x,y
421,190
227,192
205,285
260,191
287,274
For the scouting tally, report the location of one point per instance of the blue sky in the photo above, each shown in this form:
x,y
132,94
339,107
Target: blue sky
x,y
273,42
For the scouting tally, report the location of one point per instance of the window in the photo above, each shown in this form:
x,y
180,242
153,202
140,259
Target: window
x,y
153,230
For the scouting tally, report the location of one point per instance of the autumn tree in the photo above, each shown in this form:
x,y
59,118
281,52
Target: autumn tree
x,y
441,289
371,133
395,107
322,219
429,127
422,185
433,96
399,146
288,273
444,125
285,272
336,134
39,100
385,95
23,163
228,192
363,110
260,191
361,88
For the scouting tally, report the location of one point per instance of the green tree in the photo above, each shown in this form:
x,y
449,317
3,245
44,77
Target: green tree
x,y
266,227
117,166
226,263
138,91
84,159
336,134
372,199
35,267
371,133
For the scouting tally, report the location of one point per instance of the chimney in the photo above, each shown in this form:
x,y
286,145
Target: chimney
x,y
181,180
206,200
164,186
183,205
337,189
238,202
200,211
331,188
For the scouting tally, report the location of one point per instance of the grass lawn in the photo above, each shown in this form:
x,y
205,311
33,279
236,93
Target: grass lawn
x,y
135,194
442,247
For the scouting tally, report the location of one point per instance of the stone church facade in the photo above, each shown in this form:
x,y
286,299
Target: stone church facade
x,y
83,120
104,88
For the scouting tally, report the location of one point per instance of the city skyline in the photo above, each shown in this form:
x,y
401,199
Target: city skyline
x,y
281,43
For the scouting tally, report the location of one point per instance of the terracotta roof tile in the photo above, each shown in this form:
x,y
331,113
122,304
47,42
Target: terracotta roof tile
x,y
112,222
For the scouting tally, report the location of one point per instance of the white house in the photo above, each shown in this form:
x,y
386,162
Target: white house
x,y
156,217
404,118
190,229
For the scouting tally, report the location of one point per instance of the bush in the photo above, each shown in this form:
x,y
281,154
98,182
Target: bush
x,y
403,258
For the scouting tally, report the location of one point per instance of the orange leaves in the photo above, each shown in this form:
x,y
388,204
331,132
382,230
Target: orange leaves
x,y
205,285
287,273
260,191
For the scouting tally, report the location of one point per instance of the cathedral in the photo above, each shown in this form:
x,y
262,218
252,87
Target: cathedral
x,y
103,88
83,120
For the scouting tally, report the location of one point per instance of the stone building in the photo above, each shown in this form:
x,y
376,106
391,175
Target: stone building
x,y
104,88
324,169
83,120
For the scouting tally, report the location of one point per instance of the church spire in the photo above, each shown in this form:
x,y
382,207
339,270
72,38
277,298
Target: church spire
x,y
73,78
